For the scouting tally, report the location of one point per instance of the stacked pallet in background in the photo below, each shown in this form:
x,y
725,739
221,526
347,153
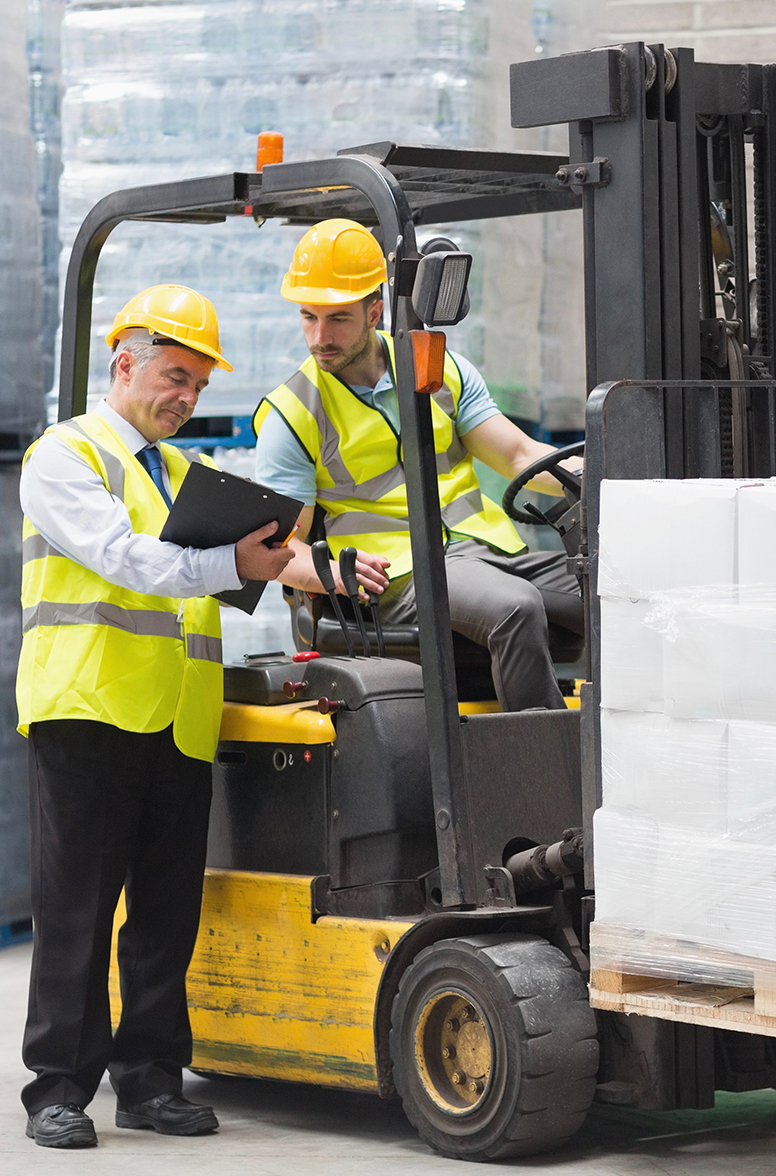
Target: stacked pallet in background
x,y
685,840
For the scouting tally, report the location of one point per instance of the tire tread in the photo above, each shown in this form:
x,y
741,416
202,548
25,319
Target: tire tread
x,y
559,1047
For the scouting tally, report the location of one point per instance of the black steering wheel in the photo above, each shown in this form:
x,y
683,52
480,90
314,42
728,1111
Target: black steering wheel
x,y
571,483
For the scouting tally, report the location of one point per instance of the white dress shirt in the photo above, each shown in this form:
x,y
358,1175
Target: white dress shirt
x,y
71,507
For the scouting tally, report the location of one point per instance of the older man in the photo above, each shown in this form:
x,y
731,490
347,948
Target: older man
x,y
120,693
332,435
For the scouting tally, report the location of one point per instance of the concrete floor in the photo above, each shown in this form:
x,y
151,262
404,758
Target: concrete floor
x,y
277,1129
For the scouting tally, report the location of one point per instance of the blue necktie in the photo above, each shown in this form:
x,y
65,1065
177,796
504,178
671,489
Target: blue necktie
x,y
151,460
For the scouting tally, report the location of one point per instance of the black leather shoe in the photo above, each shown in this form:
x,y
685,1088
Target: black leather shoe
x,y
62,1125
169,1114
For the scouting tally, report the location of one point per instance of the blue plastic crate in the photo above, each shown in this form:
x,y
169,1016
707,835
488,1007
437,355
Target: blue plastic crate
x,y
19,932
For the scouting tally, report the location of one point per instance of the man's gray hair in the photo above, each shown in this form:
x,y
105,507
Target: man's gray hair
x,y
138,345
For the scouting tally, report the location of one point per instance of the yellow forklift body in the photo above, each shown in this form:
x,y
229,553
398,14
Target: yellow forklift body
x,y
292,722
274,995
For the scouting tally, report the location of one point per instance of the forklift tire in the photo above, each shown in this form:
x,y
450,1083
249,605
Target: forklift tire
x,y
494,1046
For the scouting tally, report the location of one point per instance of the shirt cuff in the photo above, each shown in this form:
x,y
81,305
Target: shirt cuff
x,y
219,571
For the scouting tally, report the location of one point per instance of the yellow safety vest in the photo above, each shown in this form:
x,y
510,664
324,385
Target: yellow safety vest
x,y
93,650
359,472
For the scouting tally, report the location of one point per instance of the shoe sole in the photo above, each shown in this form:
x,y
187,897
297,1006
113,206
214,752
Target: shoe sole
x,y
76,1137
195,1126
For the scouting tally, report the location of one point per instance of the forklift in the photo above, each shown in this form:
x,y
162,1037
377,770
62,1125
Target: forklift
x,y
401,879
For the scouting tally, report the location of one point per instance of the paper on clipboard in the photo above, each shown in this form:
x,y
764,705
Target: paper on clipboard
x,y
214,508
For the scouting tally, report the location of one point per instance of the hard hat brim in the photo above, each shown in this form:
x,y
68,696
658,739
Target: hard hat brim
x,y
324,296
203,348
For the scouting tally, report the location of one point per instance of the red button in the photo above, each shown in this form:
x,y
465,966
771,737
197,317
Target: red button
x,y
305,656
308,755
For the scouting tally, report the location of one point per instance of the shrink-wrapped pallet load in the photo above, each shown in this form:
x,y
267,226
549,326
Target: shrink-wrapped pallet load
x,y
685,840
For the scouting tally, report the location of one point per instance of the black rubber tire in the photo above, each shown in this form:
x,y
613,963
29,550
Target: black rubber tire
x,y
543,1041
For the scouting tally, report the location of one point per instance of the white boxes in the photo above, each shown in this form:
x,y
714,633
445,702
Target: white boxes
x,y
659,536
625,868
672,770
756,508
721,662
631,657
685,842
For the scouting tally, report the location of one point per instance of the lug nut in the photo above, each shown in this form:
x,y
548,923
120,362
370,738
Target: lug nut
x,y
476,1086
452,1026
468,1013
457,1078
448,1051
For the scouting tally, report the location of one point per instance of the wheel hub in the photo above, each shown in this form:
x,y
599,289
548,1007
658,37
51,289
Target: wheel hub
x,y
453,1052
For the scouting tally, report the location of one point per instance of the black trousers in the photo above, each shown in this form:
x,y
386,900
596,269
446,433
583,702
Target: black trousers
x,y
111,808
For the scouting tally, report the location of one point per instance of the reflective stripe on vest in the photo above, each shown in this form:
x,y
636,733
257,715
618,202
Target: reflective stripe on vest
x,y
137,620
359,467
93,650
130,620
113,465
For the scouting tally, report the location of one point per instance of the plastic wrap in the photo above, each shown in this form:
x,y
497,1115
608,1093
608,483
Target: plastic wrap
x,y
158,91
44,23
685,841
21,415
21,397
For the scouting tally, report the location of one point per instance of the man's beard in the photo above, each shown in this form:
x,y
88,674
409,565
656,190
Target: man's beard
x,y
337,361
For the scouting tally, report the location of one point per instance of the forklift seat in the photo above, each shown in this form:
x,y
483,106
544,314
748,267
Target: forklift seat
x,y
472,661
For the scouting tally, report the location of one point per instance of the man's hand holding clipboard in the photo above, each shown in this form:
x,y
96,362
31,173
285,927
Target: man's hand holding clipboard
x,y
214,508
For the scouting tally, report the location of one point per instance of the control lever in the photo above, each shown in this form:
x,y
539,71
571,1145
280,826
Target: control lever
x,y
316,607
539,515
347,563
374,603
323,571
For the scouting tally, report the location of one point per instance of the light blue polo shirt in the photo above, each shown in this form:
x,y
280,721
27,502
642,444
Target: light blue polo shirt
x,y
282,463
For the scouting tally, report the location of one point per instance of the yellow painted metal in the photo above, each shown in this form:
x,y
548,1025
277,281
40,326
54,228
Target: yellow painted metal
x,y
493,708
272,994
298,722
292,722
479,708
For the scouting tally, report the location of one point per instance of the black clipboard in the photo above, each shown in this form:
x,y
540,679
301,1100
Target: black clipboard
x,y
213,508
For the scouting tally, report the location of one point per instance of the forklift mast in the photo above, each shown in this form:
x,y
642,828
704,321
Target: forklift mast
x,y
680,343
679,336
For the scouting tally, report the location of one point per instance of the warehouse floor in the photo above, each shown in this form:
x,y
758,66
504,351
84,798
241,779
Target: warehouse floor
x,y
273,1129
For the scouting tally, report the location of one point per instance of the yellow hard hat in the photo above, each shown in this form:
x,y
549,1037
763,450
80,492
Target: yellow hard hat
x,y
177,313
336,261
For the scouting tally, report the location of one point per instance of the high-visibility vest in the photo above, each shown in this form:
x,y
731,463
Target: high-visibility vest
x,y
93,650
359,472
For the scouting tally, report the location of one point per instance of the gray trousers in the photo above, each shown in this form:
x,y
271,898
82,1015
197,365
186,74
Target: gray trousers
x,y
503,602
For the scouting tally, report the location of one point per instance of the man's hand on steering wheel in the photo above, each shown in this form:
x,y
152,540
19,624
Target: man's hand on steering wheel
x,y
550,463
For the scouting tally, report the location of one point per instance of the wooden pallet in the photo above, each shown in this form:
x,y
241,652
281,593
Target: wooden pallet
x,y
744,1008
